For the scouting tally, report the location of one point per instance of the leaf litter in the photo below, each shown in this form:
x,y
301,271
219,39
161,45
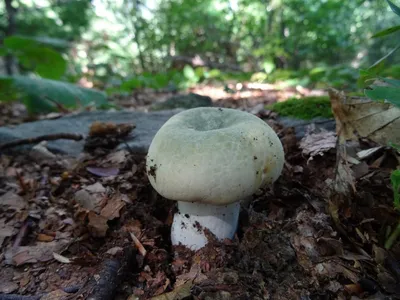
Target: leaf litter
x,y
318,233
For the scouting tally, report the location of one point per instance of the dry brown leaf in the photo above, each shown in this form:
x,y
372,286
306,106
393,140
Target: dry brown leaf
x,y
112,209
41,252
11,200
44,237
318,143
365,118
97,224
6,230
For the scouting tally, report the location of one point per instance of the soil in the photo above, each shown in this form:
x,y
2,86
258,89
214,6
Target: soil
x,y
70,228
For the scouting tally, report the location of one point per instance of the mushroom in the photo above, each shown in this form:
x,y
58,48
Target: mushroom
x,y
208,159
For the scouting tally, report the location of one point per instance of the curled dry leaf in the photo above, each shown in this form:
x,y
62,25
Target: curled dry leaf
x,y
97,224
40,252
318,143
112,208
362,117
41,237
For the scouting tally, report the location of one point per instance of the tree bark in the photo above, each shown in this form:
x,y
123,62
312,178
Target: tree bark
x,y
137,38
10,30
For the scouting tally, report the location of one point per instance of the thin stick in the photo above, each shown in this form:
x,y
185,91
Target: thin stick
x,y
38,139
138,244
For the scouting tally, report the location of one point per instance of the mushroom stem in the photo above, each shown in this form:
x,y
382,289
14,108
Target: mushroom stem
x,y
192,218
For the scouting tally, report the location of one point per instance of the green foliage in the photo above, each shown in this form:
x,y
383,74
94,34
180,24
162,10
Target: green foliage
x,y
34,56
395,180
44,95
305,108
394,7
391,91
387,31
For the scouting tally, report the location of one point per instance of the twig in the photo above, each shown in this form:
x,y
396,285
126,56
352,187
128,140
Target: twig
x,y
38,139
138,244
23,233
112,274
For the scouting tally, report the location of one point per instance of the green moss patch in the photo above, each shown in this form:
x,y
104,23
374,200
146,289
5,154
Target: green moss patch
x,y
305,108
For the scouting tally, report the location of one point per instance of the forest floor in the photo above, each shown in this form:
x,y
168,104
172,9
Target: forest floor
x,y
70,228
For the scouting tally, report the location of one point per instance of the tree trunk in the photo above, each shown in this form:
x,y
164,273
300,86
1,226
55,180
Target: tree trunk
x,y
137,38
10,30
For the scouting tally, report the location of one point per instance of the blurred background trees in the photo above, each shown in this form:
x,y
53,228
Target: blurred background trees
x,y
128,44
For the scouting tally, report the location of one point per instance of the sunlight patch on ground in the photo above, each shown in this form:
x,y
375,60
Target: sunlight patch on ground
x,y
254,92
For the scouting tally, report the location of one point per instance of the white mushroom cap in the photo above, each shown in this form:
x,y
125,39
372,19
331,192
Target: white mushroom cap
x,y
213,155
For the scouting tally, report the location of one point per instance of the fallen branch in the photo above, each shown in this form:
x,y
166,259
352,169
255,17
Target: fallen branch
x,y
111,275
38,139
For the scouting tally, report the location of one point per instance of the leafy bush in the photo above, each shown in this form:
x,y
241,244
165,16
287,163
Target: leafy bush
x,y
37,55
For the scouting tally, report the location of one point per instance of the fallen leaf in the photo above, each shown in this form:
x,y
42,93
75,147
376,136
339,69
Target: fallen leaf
x,y
318,143
360,170
97,224
114,250
112,208
41,252
362,117
118,157
368,152
44,237
96,188
6,230
61,259
89,201
103,172
11,200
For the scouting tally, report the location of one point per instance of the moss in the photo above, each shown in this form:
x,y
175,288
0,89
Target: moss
x,y
305,108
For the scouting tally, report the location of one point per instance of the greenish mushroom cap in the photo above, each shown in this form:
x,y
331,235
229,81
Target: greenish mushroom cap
x,y
213,155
